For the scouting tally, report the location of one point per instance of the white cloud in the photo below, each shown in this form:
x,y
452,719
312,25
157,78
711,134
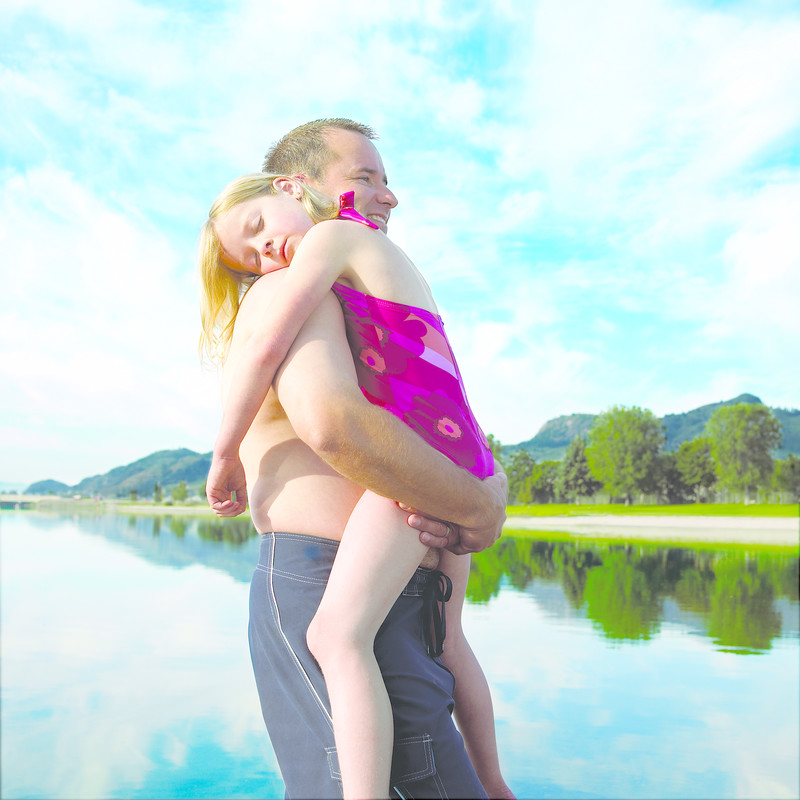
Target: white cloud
x,y
764,255
99,310
595,185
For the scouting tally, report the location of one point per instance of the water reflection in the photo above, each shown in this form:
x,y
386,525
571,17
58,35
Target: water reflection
x,y
178,540
627,590
235,531
124,659
743,600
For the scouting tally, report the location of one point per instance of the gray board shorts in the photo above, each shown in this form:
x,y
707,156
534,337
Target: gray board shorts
x,y
429,758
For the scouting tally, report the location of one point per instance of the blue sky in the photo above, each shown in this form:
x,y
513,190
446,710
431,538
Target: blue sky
x,y
603,196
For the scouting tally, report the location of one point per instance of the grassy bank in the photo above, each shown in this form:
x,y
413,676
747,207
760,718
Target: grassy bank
x,y
546,510
689,509
143,509
659,542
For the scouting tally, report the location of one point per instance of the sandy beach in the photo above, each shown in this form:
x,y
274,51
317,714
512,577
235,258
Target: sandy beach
x,y
780,531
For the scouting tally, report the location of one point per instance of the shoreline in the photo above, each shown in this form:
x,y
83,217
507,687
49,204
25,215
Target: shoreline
x,y
781,532
773,531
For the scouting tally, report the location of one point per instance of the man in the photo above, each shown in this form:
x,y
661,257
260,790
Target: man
x,y
313,446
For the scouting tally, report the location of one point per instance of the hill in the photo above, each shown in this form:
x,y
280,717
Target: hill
x,y
170,467
167,467
47,487
552,439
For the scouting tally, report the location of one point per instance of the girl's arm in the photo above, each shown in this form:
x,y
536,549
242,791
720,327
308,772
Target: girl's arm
x,y
473,702
316,265
318,389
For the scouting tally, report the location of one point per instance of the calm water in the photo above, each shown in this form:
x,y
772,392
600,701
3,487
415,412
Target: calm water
x,y
615,671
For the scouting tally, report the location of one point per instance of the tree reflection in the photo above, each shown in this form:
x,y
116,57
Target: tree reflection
x,y
235,531
622,588
742,612
621,599
178,526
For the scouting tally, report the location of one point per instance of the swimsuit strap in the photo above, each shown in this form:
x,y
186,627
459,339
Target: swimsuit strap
x,y
347,210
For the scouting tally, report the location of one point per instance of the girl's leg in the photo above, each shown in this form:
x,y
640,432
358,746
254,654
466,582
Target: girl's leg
x,y
473,702
376,558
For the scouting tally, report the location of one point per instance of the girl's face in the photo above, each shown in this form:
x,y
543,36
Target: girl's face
x,y
262,234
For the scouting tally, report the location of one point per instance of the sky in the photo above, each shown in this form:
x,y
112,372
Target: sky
x,y
604,198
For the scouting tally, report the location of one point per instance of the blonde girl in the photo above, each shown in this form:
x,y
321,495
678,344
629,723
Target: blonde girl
x,y
261,224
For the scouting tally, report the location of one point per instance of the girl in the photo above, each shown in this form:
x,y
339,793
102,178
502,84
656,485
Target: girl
x,y
264,223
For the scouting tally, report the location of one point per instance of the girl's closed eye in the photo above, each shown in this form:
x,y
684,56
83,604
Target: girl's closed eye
x,y
259,226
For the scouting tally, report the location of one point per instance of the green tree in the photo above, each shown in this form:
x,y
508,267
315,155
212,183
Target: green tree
x,y
623,450
519,471
742,439
495,446
576,479
158,492
696,466
180,492
671,486
541,485
787,476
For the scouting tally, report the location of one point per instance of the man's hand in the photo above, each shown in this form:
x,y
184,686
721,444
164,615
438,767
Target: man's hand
x,y
487,532
225,478
433,532
462,539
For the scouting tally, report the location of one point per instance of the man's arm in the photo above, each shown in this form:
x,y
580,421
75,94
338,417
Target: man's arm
x,y
317,388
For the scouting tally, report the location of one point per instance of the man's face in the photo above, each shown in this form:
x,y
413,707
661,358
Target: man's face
x,y
358,168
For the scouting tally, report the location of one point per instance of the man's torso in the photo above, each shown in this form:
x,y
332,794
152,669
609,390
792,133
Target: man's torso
x,y
290,488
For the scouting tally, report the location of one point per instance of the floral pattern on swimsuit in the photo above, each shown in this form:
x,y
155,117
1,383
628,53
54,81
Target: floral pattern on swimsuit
x,y
405,364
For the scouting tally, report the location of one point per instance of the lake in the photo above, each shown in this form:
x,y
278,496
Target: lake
x,y
617,671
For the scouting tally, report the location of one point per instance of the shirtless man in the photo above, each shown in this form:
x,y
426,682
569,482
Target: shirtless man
x,y
314,445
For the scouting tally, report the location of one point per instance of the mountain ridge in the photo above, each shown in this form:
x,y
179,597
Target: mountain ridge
x,y
170,467
552,439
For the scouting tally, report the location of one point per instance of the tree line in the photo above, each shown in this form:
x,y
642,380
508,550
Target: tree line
x,y
623,588
622,457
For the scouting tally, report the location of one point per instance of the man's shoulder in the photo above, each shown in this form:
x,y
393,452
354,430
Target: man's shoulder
x,y
264,286
259,294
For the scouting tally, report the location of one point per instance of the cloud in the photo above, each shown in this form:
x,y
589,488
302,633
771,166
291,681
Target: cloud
x,y
764,259
592,185
99,309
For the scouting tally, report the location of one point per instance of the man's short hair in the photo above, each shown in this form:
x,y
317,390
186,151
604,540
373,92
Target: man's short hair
x,y
305,149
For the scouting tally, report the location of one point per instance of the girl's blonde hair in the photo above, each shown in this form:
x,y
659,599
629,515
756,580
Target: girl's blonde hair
x,y
222,288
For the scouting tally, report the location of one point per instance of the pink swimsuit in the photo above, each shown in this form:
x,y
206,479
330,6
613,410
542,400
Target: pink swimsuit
x,y
406,365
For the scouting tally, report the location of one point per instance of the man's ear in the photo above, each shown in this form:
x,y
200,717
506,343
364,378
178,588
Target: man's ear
x,y
290,186
300,177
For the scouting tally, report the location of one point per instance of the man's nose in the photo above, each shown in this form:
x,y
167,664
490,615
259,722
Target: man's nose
x,y
388,197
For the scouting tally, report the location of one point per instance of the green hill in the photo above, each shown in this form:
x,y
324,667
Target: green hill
x,y
48,487
552,439
170,467
684,427
167,467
